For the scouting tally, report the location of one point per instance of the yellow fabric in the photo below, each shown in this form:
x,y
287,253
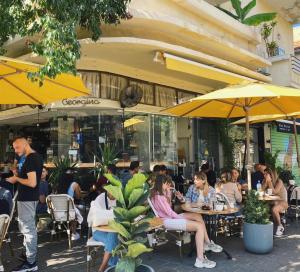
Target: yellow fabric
x,y
266,118
132,121
16,88
262,99
201,70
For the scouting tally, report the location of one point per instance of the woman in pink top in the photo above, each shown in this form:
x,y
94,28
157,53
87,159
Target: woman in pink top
x,y
187,222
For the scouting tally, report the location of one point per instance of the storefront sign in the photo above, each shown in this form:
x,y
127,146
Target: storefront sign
x,y
81,101
286,127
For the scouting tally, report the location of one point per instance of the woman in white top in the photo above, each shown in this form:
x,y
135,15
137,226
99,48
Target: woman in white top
x,y
101,213
229,189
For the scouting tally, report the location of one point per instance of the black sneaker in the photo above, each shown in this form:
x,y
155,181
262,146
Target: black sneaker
x,y
26,267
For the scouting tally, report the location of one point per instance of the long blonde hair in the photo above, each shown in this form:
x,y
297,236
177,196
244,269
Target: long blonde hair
x,y
202,176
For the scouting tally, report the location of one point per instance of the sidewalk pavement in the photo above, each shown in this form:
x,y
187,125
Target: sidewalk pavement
x,y
55,256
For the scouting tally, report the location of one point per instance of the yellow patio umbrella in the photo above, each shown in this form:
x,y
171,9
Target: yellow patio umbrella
x,y
239,101
268,118
132,121
16,88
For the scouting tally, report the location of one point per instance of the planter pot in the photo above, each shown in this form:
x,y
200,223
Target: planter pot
x,y
258,238
141,268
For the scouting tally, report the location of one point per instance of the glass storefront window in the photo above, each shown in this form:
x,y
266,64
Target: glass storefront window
x,y
184,96
163,140
206,137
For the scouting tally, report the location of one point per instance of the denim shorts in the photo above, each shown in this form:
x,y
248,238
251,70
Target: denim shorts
x,y
110,240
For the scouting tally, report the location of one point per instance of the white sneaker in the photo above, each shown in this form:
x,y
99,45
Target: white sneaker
x,y
279,231
205,263
212,247
75,236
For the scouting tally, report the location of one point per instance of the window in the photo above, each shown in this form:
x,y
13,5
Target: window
x,y
165,96
91,81
111,86
148,97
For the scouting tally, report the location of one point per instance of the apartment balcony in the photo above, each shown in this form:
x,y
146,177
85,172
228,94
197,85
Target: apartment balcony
x,y
285,70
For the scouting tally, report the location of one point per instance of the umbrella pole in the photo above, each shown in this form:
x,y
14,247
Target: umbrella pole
x,y
248,166
296,141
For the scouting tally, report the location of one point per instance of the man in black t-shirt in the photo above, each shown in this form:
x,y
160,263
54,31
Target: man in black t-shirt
x,y
28,181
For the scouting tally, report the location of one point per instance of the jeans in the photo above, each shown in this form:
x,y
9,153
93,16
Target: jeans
x,y
110,241
26,214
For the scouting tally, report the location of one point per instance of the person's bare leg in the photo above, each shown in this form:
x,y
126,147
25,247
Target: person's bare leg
x,y
276,215
199,237
105,260
198,218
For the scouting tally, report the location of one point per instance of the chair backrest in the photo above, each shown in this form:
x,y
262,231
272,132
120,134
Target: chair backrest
x,y
61,207
223,197
295,194
152,207
4,222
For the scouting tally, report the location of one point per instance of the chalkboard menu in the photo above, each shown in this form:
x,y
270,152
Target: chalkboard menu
x,y
286,128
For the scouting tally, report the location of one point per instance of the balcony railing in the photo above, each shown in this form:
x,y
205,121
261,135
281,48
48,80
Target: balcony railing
x,y
295,64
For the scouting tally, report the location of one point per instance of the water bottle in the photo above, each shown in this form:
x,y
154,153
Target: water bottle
x,y
212,200
258,186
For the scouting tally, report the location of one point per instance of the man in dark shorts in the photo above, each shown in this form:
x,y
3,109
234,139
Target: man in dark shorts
x,y
28,180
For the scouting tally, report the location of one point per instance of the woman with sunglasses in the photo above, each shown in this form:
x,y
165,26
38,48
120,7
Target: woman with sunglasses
x,y
272,181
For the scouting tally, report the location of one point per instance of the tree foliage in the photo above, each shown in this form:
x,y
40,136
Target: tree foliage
x,y
241,13
50,27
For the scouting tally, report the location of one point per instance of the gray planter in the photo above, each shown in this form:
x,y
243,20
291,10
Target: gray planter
x,y
258,238
141,268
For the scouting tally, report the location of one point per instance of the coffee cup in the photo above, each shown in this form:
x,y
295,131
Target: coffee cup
x,y
269,191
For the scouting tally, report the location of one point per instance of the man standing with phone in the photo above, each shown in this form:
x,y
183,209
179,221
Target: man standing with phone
x,y
28,180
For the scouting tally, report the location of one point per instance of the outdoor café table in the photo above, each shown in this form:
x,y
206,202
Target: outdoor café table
x,y
212,217
155,223
269,198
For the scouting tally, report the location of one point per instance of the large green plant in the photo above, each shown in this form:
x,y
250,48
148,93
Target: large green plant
x,y
255,210
241,13
50,27
270,159
60,167
131,220
106,155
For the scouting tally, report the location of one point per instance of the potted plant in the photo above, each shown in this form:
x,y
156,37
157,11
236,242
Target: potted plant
x,y
132,216
258,230
106,155
60,167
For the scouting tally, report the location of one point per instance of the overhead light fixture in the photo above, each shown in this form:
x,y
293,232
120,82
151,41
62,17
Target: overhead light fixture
x,y
159,57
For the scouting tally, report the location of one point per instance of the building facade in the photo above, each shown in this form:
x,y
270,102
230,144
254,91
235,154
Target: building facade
x,y
170,50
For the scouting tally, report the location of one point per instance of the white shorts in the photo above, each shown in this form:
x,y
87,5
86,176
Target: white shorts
x,y
175,224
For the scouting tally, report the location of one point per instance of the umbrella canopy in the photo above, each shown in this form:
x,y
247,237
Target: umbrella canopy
x,y
16,88
239,101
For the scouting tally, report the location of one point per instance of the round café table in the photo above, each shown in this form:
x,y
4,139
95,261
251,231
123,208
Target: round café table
x,y
211,220
269,198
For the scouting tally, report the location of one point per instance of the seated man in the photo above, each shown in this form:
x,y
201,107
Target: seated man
x,y
101,212
43,193
5,201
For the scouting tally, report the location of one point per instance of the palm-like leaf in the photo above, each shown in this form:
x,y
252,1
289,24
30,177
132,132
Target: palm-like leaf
x,y
257,19
237,5
248,8
228,12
